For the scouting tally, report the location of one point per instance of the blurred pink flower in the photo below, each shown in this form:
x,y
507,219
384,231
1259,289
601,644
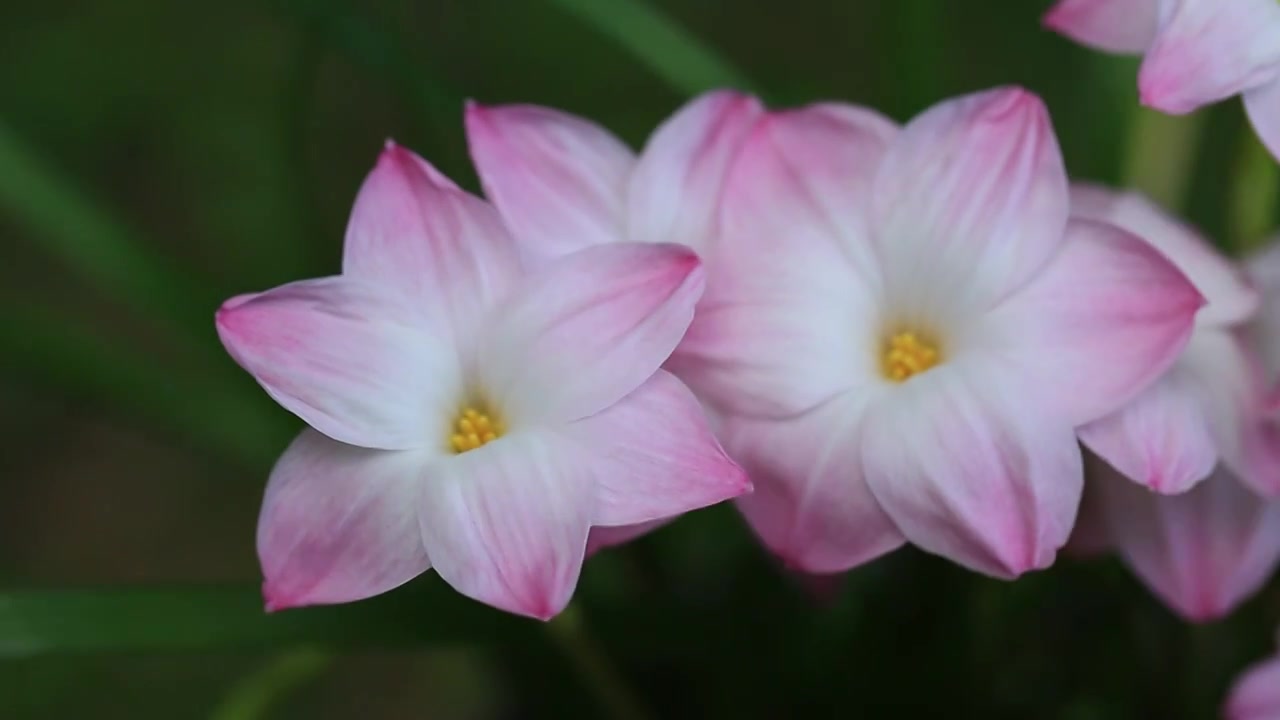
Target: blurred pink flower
x,y
564,183
1205,410
468,413
1256,695
1196,52
904,331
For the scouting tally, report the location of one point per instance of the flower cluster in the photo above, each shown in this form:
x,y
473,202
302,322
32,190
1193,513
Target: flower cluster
x,y
863,334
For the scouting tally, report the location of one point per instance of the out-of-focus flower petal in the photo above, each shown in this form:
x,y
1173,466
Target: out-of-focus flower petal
x,y
1256,695
1108,316
1231,297
339,523
1118,26
779,330
969,471
976,185
415,234
1160,439
354,363
506,523
559,180
1207,50
589,329
674,192
1263,106
811,505
1202,552
660,458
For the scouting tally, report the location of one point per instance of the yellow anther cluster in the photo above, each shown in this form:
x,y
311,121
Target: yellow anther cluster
x,y
906,354
474,429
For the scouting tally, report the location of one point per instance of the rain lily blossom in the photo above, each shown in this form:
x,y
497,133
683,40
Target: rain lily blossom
x,y
1205,409
469,413
563,183
1195,52
904,331
1256,695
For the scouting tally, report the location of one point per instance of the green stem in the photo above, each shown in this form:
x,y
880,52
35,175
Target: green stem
x,y
1161,155
669,50
570,631
254,695
1255,185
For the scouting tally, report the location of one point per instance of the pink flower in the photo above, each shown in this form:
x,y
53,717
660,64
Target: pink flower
x,y
1205,409
1256,695
563,183
904,331
1196,51
1202,552
470,414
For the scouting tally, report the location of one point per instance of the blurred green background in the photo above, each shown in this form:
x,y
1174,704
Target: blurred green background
x,y
157,157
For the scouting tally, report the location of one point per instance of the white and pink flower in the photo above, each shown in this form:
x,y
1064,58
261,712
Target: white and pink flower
x,y
1256,695
904,330
1195,52
468,412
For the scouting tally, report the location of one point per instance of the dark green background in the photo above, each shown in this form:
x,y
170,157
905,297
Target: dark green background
x,y
157,157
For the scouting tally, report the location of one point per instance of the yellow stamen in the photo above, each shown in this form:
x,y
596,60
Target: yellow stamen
x,y
474,428
906,354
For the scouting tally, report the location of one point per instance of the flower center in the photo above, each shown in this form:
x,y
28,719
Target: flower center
x,y
474,428
907,354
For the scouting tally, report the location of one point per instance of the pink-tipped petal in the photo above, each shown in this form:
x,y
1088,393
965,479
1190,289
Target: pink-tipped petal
x,y
1202,552
589,328
506,523
602,538
1231,297
659,456
793,276
674,194
414,234
1117,26
1108,316
968,470
1256,695
1161,439
559,180
811,505
1263,106
976,185
339,523
355,364
1207,50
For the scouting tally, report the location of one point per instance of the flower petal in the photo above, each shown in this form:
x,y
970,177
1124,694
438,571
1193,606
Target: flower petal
x,y
1204,551
1108,316
414,233
1264,269
660,458
339,523
794,279
1161,439
607,537
1118,26
811,505
589,329
506,523
559,180
1207,50
1256,695
355,364
970,471
1263,106
1230,295
674,193
975,187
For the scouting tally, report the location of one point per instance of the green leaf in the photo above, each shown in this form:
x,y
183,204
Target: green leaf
x,y
670,51
424,613
93,243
